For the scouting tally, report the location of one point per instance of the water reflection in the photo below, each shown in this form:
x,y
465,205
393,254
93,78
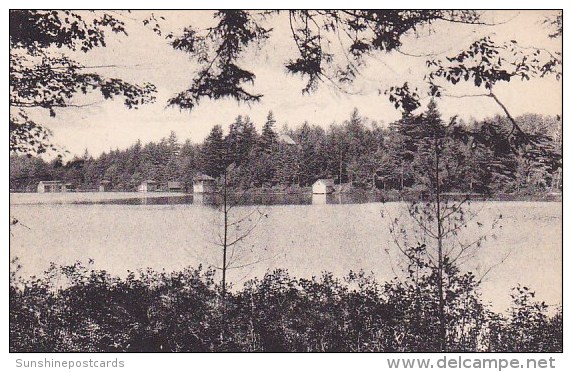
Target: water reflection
x,y
242,198
318,199
347,198
199,198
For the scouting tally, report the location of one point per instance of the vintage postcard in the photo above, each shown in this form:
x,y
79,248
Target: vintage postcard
x,y
285,181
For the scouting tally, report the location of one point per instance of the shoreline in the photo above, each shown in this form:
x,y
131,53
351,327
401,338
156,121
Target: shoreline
x,y
367,196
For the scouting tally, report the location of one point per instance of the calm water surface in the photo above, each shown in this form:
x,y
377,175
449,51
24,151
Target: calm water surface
x,y
306,234
125,198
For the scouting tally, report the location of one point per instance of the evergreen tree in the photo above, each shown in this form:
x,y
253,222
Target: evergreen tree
x,y
269,138
172,169
338,150
188,162
214,153
312,161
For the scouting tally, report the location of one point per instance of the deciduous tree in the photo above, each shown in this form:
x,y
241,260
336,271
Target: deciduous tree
x,y
45,76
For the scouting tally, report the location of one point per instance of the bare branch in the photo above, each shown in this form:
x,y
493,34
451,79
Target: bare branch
x,y
465,95
481,23
254,262
454,208
242,236
246,217
41,105
423,225
494,266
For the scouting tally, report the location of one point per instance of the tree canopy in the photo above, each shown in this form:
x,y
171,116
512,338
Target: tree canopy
x,y
475,157
44,75
330,48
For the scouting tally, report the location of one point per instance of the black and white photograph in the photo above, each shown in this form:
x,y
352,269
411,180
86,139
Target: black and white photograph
x,y
285,181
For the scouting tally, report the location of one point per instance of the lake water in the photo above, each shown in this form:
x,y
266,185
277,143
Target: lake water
x,y
306,234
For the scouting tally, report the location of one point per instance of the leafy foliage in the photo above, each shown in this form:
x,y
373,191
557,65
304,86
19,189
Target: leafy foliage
x,y
527,327
555,23
217,53
358,33
417,306
148,311
332,47
43,77
486,63
37,30
446,302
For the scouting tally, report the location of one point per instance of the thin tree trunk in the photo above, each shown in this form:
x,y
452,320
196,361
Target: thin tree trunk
x,y
340,166
401,179
442,329
224,243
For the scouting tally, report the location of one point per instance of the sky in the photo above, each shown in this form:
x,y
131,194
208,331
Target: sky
x,y
144,57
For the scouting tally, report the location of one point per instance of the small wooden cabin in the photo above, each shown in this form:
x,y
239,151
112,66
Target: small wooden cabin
x,y
51,186
148,186
323,186
104,185
286,139
175,186
204,184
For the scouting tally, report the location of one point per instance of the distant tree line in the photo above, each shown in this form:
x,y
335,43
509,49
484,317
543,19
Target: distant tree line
x,y
358,152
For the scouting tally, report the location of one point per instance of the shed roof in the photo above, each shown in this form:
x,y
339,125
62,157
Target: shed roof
x,y
203,177
326,181
286,139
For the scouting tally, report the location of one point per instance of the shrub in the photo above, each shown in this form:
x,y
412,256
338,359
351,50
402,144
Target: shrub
x,y
74,308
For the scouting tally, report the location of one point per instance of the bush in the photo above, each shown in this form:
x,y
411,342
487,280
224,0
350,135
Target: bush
x,y
527,327
73,308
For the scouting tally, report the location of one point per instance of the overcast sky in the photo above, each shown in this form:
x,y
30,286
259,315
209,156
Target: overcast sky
x,y
144,57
